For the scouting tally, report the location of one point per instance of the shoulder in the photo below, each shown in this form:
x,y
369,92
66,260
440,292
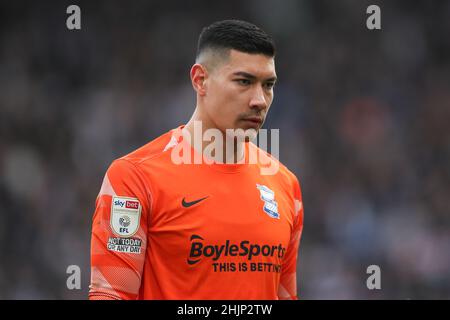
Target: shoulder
x,y
129,170
150,150
127,177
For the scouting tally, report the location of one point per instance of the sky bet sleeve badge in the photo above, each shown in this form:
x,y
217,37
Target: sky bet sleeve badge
x,y
270,205
125,216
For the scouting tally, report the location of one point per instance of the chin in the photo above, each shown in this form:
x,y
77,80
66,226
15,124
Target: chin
x,y
243,133
248,134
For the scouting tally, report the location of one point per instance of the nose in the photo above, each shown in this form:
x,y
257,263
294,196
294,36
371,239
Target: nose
x,y
258,100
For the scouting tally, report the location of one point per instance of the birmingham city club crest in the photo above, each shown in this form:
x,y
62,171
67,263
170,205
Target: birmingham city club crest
x,y
270,205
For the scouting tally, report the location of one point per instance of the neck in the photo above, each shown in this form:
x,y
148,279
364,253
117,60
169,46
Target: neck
x,y
194,132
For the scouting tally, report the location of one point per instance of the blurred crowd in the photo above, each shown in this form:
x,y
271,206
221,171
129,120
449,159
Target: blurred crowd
x,y
363,118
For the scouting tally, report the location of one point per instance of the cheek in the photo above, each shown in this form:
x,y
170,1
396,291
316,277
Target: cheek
x,y
219,92
226,100
269,99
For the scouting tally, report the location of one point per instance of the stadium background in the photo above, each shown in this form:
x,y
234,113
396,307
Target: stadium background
x,y
363,118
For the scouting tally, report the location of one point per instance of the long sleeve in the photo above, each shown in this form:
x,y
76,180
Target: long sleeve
x,y
288,280
119,233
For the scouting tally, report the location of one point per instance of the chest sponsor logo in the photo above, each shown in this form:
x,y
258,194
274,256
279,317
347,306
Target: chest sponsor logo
x,y
270,205
125,216
247,251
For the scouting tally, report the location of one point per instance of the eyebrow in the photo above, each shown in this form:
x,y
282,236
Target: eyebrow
x,y
251,76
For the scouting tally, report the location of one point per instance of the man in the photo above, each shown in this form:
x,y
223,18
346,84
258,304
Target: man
x,y
211,229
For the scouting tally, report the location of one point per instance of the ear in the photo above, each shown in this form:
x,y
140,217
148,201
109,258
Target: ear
x,y
198,76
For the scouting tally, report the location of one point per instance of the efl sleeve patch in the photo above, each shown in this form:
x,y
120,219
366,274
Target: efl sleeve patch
x,y
125,216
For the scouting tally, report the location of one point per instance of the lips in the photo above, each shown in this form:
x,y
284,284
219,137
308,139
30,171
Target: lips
x,y
257,120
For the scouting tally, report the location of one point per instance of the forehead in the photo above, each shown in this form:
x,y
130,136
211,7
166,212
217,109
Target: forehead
x,y
258,65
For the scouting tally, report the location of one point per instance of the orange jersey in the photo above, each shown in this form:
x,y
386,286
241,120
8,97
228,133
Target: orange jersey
x,y
194,231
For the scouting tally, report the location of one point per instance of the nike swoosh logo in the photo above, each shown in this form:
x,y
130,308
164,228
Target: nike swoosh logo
x,y
191,203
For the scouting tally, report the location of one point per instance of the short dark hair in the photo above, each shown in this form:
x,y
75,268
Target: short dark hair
x,y
238,35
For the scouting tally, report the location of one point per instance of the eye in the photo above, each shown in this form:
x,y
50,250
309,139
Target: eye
x,y
269,85
243,82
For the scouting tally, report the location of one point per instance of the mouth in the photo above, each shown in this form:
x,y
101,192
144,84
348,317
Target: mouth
x,y
254,120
